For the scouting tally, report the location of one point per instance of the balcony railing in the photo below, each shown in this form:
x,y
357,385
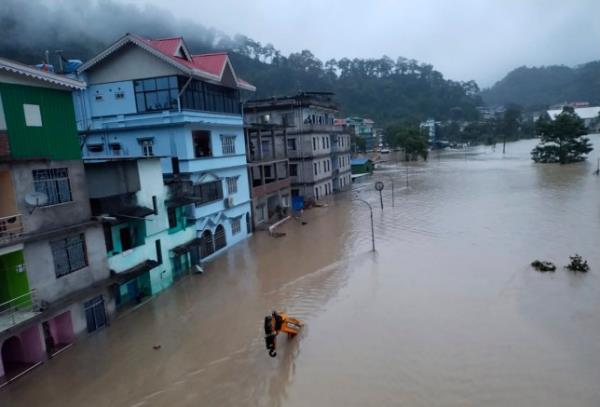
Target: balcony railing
x,y
11,227
18,309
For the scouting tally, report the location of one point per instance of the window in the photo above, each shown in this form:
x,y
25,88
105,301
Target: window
x,y
147,145
314,144
54,183
293,170
232,185
199,95
115,148
291,144
236,226
68,254
228,144
158,251
316,169
33,116
208,192
172,215
95,148
201,140
316,193
156,94
322,142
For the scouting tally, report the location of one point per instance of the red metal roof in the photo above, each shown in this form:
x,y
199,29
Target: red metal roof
x,y
213,63
167,46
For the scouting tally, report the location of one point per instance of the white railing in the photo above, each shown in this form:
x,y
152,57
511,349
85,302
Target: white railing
x,y
18,309
11,227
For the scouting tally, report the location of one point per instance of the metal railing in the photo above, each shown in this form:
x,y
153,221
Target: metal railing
x,y
18,309
11,227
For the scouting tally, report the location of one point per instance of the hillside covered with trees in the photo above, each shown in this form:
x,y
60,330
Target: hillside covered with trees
x,y
383,89
538,87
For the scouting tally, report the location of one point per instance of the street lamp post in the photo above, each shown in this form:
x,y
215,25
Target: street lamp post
x,y
372,227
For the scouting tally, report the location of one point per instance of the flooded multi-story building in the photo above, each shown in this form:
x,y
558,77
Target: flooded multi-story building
x,y
268,171
313,141
54,277
149,241
154,98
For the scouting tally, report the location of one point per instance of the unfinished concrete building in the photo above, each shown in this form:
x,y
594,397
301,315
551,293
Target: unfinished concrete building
x,y
313,142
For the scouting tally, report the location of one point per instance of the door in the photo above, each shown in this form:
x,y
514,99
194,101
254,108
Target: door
x,y
133,290
95,314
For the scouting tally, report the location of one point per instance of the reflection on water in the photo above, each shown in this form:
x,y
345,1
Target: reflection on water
x,y
447,312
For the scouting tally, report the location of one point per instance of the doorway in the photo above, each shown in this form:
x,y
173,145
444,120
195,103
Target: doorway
x,y
95,314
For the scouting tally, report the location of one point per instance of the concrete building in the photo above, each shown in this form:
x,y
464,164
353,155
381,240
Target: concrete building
x,y
429,127
54,278
154,98
268,171
313,141
363,129
148,239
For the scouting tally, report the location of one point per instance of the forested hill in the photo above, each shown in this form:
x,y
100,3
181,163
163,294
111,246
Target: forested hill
x,y
542,86
384,89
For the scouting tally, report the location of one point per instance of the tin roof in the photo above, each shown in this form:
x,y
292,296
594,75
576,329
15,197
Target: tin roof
x,y
37,74
173,51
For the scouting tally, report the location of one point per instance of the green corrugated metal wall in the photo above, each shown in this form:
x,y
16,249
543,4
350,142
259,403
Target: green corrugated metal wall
x,y
57,138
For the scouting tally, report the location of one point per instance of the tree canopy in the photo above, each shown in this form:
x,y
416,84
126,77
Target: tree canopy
x,y
561,139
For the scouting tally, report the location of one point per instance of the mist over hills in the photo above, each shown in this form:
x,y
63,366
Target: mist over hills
x,y
536,87
384,89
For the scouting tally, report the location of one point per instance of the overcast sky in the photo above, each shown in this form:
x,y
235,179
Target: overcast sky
x,y
464,39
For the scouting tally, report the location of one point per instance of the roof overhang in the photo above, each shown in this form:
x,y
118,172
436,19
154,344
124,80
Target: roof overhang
x,y
143,44
37,74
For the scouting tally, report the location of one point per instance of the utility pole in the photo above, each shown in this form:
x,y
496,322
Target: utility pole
x,y
393,200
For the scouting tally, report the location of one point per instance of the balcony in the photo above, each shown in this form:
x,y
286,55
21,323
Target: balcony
x,y
317,128
18,309
11,228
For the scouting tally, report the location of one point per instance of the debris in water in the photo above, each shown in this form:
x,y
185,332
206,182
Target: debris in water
x,y
543,266
157,347
304,223
578,264
278,234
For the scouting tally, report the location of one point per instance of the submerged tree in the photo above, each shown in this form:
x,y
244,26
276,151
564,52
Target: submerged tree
x,y
561,139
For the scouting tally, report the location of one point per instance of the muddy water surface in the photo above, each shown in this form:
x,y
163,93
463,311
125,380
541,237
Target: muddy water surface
x,y
447,312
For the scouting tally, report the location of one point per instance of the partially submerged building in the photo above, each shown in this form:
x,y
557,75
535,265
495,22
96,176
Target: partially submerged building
x,y
268,171
149,241
54,278
309,117
151,98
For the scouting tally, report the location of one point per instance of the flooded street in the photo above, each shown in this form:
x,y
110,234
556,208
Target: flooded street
x,y
447,312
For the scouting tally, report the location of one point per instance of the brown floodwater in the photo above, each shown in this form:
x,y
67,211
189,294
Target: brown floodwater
x,y
447,312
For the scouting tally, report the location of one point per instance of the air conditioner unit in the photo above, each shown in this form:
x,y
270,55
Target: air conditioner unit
x,y
229,202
